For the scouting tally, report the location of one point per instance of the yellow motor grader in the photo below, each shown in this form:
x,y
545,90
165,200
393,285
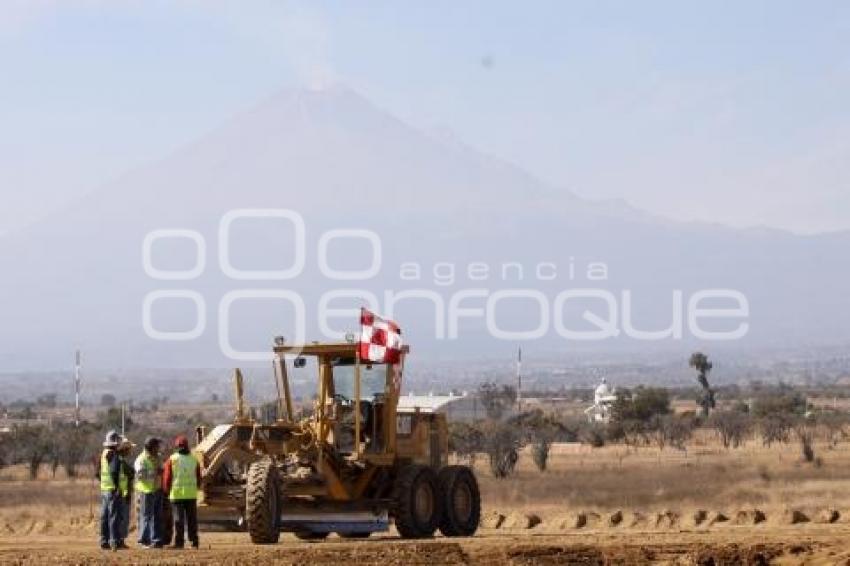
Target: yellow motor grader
x,y
352,467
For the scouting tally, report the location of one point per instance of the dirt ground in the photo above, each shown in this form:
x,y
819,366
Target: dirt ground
x,y
754,505
734,545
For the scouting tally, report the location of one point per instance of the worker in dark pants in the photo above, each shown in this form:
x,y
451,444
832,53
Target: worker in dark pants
x,y
180,480
112,481
149,486
125,489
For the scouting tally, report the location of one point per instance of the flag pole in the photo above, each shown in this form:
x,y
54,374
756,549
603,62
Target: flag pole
x,y
77,378
357,402
519,379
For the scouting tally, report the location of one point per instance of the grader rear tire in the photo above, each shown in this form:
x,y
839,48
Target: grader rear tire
x,y
262,503
417,505
461,501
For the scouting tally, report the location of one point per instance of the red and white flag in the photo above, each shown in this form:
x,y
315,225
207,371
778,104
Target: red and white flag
x,y
380,339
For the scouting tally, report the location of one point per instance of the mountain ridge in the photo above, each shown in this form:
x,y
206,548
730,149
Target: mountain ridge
x,y
77,277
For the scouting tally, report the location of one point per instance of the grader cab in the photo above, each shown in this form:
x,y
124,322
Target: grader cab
x,y
352,467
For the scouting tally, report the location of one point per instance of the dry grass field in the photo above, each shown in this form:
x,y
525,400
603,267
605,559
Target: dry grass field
x,y
706,476
593,506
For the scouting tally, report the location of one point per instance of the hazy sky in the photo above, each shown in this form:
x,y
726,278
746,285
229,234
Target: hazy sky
x,y
736,112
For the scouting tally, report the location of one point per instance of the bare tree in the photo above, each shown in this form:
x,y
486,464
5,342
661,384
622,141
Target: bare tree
x,y
673,430
496,399
541,430
777,413
699,361
732,426
502,442
835,426
805,433
775,428
33,446
634,433
465,440
594,434
54,454
72,446
658,432
6,450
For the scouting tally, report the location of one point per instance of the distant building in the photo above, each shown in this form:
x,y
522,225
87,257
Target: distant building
x,y
603,399
457,408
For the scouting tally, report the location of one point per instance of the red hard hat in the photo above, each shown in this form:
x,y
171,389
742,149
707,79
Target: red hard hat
x,y
181,442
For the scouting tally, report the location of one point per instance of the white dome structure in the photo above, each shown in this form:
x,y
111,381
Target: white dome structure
x,y
603,398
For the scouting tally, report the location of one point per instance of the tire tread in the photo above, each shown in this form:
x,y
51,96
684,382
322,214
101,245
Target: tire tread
x,y
404,488
261,485
450,525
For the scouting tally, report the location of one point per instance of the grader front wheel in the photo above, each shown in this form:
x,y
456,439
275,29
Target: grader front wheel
x,y
261,503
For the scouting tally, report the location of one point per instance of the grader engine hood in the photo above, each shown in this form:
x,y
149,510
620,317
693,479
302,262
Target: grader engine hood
x,y
218,438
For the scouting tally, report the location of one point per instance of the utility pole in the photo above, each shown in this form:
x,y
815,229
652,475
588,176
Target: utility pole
x,y
77,379
519,380
122,418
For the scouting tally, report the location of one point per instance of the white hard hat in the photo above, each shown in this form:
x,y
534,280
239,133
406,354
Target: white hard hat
x,y
112,440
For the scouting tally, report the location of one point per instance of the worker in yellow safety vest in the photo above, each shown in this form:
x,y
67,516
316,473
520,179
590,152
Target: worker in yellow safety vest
x,y
149,487
181,478
125,488
113,480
